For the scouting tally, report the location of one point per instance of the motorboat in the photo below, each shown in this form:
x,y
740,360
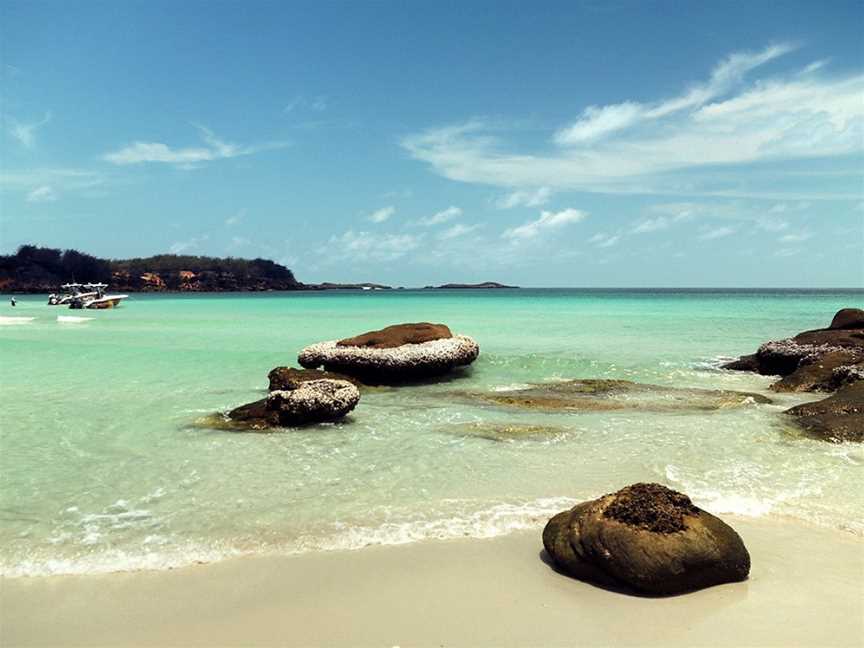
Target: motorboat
x,y
88,295
70,292
94,297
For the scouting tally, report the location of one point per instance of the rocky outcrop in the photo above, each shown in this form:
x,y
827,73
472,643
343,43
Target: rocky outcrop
x,y
291,378
599,395
647,538
807,362
313,401
837,418
822,360
401,353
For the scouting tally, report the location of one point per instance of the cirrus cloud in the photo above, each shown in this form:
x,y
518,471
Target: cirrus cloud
x,y
547,221
214,148
635,147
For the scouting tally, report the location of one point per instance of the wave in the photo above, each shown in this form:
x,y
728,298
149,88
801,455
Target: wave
x,y
158,552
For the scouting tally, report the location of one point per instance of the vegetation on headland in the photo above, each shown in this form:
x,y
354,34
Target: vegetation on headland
x,y
36,269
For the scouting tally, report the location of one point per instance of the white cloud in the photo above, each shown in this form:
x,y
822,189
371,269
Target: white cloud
x,y
725,121
442,216
368,246
62,179
26,133
598,121
548,220
236,219
45,193
604,240
456,231
651,225
191,245
215,149
670,214
383,214
239,241
796,237
529,198
713,233
318,104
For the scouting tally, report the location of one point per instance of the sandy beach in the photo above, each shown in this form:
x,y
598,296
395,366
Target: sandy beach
x,y
805,589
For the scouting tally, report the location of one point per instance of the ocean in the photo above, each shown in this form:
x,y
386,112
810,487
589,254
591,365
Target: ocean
x,y
107,462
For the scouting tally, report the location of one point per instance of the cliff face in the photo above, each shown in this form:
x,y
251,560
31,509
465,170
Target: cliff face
x,y
33,270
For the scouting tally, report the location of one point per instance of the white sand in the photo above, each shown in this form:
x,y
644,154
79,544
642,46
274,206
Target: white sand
x,y
806,589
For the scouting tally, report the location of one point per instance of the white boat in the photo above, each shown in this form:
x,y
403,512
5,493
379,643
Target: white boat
x,y
71,291
89,295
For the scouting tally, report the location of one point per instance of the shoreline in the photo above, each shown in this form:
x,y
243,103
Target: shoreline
x,y
478,592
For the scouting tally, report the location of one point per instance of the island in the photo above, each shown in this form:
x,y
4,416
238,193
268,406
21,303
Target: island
x,y
486,285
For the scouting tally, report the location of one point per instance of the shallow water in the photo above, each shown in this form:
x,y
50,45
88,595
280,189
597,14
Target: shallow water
x,y
103,468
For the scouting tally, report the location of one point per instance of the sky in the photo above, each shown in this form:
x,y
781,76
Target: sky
x,y
593,143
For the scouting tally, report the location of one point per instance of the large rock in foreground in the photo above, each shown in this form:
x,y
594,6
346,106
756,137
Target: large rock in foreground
x,y
648,538
314,401
817,360
400,353
837,418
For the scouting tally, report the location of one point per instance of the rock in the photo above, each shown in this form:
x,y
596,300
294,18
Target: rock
x,y
648,538
396,354
837,418
744,363
313,401
848,318
397,335
291,378
808,360
593,395
816,372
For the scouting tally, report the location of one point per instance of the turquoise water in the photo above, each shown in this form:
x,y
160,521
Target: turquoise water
x,y
103,467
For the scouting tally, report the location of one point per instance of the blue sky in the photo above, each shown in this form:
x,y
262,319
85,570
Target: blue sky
x,y
554,144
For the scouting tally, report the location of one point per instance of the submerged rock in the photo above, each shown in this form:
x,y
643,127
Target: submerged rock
x,y
646,537
313,401
503,431
400,353
598,395
807,361
837,418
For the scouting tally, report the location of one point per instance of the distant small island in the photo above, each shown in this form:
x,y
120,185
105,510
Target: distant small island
x,y
459,286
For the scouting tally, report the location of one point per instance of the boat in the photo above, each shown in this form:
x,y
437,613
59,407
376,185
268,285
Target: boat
x,y
88,295
71,291
94,297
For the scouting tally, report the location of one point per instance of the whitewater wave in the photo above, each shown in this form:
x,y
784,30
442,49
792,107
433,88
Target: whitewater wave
x,y
159,552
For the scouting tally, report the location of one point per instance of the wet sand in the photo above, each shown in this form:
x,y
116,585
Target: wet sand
x,y
806,588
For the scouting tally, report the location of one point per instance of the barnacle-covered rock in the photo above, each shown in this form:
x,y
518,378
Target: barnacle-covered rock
x,y
400,353
313,401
